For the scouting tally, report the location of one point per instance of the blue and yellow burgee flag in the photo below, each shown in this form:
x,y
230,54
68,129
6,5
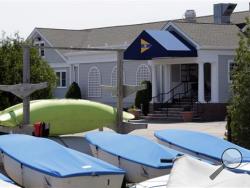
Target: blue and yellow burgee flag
x,y
145,46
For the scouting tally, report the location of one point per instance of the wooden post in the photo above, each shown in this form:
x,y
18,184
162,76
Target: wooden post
x,y
119,117
26,79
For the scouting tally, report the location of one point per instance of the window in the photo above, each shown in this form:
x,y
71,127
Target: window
x,y
142,73
114,78
231,66
40,50
94,82
61,79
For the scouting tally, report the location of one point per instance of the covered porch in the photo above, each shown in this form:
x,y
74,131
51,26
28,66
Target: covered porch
x,y
183,78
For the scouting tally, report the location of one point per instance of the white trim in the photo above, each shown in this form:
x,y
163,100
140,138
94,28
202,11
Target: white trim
x,y
218,47
59,65
171,24
75,75
244,29
201,96
70,75
229,62
78,76
214,82
99,94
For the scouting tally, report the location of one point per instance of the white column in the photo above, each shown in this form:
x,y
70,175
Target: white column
x,y
154,82
161,89
214,82
167,80
201,82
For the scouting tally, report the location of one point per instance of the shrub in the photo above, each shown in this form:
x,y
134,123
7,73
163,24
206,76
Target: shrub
x,y
143,97
239,108
11,60
74,92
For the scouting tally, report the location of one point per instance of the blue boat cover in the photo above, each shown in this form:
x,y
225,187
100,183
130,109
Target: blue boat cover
x,y
200,143
6,179
51,158
133,148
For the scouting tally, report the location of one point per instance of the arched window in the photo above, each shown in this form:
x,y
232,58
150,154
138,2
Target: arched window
x,y
142,73
94,82
114,77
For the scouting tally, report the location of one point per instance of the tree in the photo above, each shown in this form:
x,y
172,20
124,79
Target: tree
x,y
74,92
11,66
143,97
239,108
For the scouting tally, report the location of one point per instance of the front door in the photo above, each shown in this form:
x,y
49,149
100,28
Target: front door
x,y
189,76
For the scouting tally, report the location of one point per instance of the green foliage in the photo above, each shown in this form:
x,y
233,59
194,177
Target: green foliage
x,y
143,97
11,65
239,108
74,92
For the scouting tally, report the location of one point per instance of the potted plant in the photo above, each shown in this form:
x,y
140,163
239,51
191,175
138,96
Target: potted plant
x,y
187,114
135,111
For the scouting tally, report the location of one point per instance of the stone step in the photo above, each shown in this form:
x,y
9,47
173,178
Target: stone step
x,y
162,118
172,108
165,115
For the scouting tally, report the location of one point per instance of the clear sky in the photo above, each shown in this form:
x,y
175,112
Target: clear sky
x,y
24,15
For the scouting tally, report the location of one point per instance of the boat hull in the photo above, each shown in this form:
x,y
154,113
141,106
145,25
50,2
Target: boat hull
x,y
186,151
135,172
30,178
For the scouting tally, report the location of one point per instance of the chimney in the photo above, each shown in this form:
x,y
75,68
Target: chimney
x,y
190,16
222,12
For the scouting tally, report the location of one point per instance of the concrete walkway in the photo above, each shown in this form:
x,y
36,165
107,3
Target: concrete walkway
x,y
213,128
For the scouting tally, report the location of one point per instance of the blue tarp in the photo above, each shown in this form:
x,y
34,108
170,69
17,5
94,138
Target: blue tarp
x,y
6,179
133,148
200,143
152,44
51,158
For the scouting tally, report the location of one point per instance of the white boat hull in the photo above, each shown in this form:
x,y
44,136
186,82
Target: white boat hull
x,y
199,156
159,182
4,184
135,172
30,178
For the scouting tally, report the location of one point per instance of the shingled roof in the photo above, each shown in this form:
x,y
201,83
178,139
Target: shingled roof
x,y
208,35
118,35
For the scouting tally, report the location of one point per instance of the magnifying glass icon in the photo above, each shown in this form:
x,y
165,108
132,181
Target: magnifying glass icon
x,y
231,158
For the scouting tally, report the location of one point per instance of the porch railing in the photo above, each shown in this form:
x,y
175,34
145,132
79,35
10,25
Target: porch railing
x,y
175,97
172,93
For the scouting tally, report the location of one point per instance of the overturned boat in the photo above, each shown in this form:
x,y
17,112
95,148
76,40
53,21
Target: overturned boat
x,y
64,116
191,172
41,163
139,157
201,145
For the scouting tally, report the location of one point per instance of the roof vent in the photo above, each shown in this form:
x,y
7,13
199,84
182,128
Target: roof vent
x,y
223,12
190,16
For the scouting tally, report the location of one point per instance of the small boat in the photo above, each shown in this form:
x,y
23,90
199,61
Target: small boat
x,y
141,158
5,182
64,116
197,144
191,172
40,163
